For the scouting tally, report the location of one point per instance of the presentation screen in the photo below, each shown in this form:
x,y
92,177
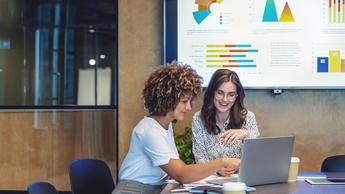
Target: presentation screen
x,y
270,43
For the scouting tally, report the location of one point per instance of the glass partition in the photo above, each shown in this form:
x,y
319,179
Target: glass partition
x,y
58,53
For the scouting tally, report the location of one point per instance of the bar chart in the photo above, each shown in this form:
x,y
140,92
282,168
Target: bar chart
x,y
230,56
336,11
333,63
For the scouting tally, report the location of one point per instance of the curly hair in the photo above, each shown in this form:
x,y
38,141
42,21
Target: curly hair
x,y
167,85
238,111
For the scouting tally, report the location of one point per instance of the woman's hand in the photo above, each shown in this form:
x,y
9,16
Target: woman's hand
x,y
232,135
231,163
226,171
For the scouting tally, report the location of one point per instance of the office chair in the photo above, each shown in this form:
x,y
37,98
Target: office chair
x,y
41,188
334,164
90,176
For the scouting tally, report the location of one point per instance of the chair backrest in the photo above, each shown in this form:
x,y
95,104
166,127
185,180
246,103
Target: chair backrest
x,y
334,164
41,188
90,176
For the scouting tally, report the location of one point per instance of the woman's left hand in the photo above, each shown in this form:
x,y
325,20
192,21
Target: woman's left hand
x,y
232,135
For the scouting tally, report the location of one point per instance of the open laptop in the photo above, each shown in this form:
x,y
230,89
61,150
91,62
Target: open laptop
x,y
264,160
335,176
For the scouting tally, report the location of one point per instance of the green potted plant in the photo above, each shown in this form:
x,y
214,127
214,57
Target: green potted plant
x,y
184,146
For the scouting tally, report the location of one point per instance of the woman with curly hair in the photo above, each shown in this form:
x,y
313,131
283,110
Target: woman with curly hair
x,y
152,154
223,122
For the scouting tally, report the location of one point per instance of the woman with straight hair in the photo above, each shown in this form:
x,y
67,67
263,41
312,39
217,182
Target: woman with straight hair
x,y
223,122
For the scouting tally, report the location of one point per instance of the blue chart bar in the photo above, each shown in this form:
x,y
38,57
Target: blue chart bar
x,y
242,45
322,64
253,51
245,61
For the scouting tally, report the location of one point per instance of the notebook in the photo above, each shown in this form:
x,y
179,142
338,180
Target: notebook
x,y
264,160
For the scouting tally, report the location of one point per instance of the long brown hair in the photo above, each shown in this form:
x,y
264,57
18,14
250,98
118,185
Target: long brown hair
x,y
237,112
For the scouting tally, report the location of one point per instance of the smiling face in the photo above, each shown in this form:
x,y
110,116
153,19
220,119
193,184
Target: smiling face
x,y
224,97
184,106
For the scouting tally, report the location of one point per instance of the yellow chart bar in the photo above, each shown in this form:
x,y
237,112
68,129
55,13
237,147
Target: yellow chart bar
x,y
214,66
330,13
215,45
343,13
334,12
217,51
334,61
217,61
343,65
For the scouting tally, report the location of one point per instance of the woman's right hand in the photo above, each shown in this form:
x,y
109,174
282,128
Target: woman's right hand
x,y
231,163
226,171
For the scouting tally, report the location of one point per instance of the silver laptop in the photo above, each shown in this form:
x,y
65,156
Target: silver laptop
x,y
264,160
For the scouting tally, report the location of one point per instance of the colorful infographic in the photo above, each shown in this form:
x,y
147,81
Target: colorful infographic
x,y
269,43
203,9
270,13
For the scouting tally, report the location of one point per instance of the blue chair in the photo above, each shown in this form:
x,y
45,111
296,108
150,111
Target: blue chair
x,y
90,176
41,188
334,164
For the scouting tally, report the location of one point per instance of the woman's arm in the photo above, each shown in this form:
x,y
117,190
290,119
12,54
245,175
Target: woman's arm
x,y
198,139
251,126
184,173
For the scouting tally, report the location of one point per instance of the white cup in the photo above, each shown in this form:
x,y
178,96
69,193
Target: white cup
x,y
234,188
293,172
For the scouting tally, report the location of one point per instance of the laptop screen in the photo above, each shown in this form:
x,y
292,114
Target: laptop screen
x,y
266,160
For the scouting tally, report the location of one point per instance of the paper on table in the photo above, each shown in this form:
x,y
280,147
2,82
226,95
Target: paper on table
x,y
202,182
193,184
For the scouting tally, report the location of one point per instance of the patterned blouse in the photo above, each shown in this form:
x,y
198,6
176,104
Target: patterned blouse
x,y
209,146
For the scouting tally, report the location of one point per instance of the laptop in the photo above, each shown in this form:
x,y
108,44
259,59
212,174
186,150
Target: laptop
x,y
335,176
264,160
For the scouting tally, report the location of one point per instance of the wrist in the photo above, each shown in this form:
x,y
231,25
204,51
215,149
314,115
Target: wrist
x,y
222,162
246,134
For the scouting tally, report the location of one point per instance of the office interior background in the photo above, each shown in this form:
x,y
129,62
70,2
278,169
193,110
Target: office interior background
x,y
44,125
58,88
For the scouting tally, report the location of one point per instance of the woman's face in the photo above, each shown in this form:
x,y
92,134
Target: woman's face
x,y
182,107
224,97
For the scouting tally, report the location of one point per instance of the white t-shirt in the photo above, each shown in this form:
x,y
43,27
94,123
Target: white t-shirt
x,y
151,146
